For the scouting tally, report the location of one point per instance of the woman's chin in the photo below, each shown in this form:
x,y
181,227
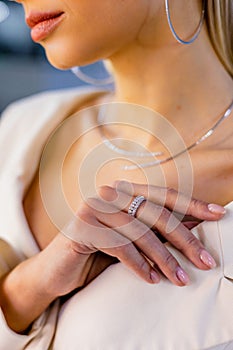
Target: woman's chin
x,y
57,61
63,55
63,61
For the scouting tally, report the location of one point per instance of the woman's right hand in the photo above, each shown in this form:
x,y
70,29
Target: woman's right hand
x,y
102,226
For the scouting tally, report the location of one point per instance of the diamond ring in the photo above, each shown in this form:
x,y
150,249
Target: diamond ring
x,y
135,205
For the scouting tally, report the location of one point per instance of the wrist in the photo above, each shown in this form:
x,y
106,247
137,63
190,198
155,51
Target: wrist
x,y
63,268
23,297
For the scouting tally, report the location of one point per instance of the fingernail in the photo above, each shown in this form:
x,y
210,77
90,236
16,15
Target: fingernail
x,y
154,276
207,259
182,275
216,209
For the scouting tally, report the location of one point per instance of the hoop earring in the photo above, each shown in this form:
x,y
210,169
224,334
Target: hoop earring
x,y
4,12
91,80
197,32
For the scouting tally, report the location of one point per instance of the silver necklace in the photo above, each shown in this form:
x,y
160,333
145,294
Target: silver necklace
x,y
114,148
121,151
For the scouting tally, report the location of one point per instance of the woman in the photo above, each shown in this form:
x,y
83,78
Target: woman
x,y
65,236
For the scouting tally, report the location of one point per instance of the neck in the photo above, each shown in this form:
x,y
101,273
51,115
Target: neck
x,y
182,83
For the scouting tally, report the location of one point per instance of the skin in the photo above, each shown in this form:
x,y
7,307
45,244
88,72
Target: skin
x,y
140,49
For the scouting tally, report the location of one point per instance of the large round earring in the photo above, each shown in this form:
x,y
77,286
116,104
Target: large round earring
x,y
4,11
197,32
92,80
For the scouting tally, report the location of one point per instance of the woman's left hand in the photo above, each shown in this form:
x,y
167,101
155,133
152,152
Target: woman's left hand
x,y
156,215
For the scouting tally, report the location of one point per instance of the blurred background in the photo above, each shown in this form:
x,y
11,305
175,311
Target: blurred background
x,y
24,69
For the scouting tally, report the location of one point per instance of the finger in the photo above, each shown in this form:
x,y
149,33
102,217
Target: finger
x,y
161,220
131,257
90,235
143,238
176,233
93,235
173,200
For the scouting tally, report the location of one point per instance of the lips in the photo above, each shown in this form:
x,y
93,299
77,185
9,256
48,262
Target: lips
x,y
43,24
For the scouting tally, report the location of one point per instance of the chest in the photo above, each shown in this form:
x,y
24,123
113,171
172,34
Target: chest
x,y
64,182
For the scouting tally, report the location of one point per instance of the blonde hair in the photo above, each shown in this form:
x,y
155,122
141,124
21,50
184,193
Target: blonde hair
x,y
219,19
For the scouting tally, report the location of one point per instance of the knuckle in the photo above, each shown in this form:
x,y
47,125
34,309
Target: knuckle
x,y
169,261
160,217
196,206
136,225
193,243
122,252
194,203
124,186
142,265
83,210
164,214
92,203
171,191
107,193
119,183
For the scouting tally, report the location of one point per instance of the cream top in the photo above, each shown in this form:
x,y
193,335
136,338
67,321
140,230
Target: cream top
x,y
117,310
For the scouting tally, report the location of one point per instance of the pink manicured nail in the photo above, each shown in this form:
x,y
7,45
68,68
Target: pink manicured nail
x,y
154,276
207,259
182,275
216,209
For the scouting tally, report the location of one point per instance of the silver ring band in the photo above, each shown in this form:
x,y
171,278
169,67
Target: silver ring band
x,y
135,205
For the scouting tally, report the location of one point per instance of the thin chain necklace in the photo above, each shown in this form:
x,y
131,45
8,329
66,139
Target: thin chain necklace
x,y
121,151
